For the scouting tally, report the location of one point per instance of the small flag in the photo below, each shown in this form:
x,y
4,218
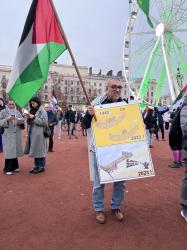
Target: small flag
x,y
41,43
179,100
144,5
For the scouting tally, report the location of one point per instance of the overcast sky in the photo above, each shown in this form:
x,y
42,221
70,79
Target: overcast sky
x,y
95,30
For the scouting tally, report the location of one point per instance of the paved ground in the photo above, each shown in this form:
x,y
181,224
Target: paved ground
x,y
53,210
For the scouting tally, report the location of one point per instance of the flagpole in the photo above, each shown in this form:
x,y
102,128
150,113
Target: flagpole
x,y
71,54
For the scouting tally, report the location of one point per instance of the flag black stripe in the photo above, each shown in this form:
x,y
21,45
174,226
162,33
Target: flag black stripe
x,y
29,21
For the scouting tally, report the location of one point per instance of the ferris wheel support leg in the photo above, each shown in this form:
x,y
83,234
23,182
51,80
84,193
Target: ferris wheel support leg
x,y
173,96
147,68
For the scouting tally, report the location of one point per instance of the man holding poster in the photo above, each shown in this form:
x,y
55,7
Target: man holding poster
x,y
112,95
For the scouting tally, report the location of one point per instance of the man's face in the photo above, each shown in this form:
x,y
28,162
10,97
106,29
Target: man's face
x,y
114,89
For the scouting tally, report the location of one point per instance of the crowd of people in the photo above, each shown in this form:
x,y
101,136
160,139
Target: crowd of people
x,y
40,122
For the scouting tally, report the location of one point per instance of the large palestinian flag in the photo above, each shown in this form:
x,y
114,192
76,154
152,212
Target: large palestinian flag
x,y
41,43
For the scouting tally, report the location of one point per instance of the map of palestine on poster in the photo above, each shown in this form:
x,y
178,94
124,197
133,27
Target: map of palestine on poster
x,y
121,145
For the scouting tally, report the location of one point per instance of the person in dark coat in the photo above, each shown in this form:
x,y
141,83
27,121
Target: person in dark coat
x,y
67,118
183,123
159,122
149,121
75,118
52,121
175,140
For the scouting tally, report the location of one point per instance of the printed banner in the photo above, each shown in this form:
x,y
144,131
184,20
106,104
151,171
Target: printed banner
x,y
121,144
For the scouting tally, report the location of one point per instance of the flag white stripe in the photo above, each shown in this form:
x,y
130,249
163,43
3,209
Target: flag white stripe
x,y
25,54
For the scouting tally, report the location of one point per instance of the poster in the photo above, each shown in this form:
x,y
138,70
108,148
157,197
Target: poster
x,y
122,151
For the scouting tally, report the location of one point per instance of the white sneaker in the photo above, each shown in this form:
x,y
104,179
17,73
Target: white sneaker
x,y
17,170
8,173
184,215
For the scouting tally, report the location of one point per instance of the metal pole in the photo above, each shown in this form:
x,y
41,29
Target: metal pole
x,y
129,78
173,96
147,68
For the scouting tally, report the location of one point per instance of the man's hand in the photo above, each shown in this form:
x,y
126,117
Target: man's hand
x,y
91,110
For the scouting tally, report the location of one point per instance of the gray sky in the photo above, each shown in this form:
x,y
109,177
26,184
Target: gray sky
x,y
94,28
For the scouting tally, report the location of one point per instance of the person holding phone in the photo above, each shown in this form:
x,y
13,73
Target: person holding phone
x,y
12,122
36,142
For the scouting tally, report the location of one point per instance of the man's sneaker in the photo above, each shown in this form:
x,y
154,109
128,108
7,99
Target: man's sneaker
x,y
117,214
17,170
174,165
184,214
8,173
100,217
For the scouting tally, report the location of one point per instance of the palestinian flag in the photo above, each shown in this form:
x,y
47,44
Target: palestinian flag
x,y
41,43
144,5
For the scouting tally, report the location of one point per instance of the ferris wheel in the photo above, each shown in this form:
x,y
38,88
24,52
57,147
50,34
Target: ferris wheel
x,y
155,48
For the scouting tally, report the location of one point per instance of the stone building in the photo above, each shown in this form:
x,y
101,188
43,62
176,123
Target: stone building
x,y
65,82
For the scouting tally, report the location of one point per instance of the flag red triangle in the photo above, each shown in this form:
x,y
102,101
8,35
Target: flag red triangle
x,y
46,28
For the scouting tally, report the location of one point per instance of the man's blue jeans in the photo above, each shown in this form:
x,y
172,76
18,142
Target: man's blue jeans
x,y
117,196
98,190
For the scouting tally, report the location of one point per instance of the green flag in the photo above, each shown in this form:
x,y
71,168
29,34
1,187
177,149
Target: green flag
x,y
144,5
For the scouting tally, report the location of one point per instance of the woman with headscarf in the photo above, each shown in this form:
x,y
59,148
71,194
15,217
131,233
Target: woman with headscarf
x,y
12,123
36,142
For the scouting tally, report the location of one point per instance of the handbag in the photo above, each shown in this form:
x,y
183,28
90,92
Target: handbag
x,y
47,132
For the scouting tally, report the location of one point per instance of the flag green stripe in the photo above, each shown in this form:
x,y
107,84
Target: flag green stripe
x,y
160,85
35,74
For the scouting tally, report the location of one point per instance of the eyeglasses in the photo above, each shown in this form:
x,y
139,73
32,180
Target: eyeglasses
x,y
116,87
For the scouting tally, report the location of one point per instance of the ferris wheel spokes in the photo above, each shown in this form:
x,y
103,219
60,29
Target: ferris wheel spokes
x,y
144,85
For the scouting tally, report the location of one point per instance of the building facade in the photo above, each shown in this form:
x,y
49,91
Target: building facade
x,y
64,81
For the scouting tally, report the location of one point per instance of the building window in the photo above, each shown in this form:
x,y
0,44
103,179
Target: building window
x,y
77,82
90,91
71,82
66,82
78,99
46,87
83,99
71,98
100,84
46,97
77,90
66,90
94,83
